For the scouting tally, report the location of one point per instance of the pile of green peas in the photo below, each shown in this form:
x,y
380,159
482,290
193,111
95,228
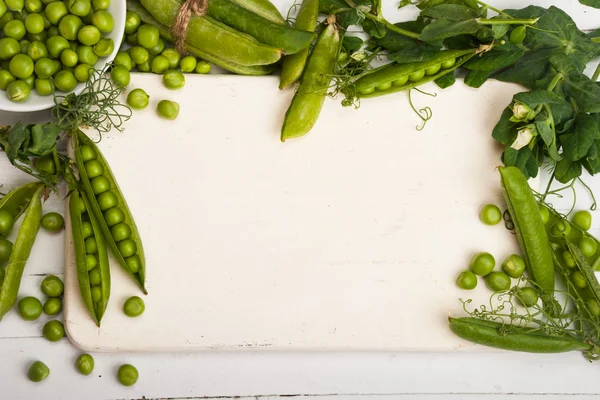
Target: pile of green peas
x,y
49,45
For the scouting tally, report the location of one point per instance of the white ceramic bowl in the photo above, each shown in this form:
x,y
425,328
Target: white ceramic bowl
x,y
118,9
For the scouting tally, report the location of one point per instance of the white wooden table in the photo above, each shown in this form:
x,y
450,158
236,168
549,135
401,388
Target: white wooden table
x,y
315,375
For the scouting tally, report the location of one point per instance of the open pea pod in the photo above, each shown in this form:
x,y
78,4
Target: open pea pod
x,y
110,207
21,249
393,78
91,255
17,200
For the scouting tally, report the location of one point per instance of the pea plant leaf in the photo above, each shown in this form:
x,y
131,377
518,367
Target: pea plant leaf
x,y
528,70
351,43
505,130
445,81
576,144
591,3
584,91
420,54
43,139
475,79
443,28
544,124
451,12
18,137
377,31
592,160
494,59
522,159
330,6
567,170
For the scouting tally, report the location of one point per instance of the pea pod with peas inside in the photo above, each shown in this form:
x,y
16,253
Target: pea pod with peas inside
x,y
165,33
108,204
392,78
308,101
14,204
211,36
91,255
32,205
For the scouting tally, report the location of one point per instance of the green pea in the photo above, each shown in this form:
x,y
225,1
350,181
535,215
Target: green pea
x,y
127,248
104,47
138,54
38,37
107,200
173,79
8,16
100,4
15,29
497,281
134,263
45,165
466,280
159,64
85,364
96,294
113,216
132,22
527,296
582,219
172,56
134,307
588,246
187,64
37,50
120,75
33,6
3,8
123,59
83,72
593,307
69,58
103,21
120,232
202,67
65,81
569,260
482,263
6,78
100,185
52,306
15,5
94,168
416,76
490,214
6,222
34,23
30,80
89,35
91,246
6,247
448,63
44,68
544,213
82,209
87,19
144,67
29,308
53,222
56,44
86,55
131,39
38,371
91,261
69,26
9,47
138,99
513,266
168,109
88,153
24,43
384,86
80,8
127,375
560,228
578,279
53,330
18,91
434,69
156,50
56,11
95,277
147,36
53,31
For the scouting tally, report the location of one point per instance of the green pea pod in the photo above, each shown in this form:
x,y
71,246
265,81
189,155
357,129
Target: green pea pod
x,y
310,96
273,34
213,37
531,233
134,264
21,250
586,270
17,200
264,8
293,65
393,78
165,33
528,340
80,209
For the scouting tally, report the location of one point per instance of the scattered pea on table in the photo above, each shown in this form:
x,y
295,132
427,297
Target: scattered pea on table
x,y
29,308
127,375
134,306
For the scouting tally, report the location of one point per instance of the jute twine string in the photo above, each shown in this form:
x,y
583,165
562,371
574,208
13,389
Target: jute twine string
x,y
188,9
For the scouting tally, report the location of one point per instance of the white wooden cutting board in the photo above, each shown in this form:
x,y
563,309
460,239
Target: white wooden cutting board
x,y
347,239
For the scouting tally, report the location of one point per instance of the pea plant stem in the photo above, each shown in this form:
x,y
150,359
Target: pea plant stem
x,y
500,12
596,73
486,21
392,27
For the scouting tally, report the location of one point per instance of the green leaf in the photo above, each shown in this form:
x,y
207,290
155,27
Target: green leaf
x,y
443,28
577,143
351,43
545,128
445,81
390,40
522,159
18,137
476,78
43,139
420,54
528,70
538,97
584,91
494,60
351,17
505,130
567,170
592,159
451,12
330,6
564,64
591,3
500,30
